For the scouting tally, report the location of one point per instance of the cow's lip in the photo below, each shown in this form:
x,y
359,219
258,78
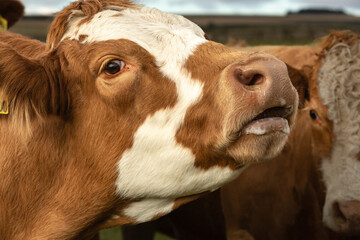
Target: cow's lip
x,y
275,119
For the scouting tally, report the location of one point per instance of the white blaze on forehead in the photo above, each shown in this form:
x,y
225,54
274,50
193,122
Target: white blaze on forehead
x,y
339,88
157,165
170,38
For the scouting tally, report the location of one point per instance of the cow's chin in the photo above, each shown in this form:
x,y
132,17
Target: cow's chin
x,y
146,210
251,148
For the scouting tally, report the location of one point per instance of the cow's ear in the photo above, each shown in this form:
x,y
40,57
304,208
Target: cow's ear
x,y
300,82
31,87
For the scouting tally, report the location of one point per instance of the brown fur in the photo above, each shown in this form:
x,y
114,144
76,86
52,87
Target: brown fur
x,y
30,48
281,198
201,72
327,42
62,187
286,195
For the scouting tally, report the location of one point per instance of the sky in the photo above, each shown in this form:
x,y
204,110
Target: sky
x,y
243,7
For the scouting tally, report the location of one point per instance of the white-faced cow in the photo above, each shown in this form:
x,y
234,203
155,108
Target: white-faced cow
x,y
339,88
126,114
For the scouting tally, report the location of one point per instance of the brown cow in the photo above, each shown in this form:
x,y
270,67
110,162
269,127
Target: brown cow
x,y
283,198
10,12
126,114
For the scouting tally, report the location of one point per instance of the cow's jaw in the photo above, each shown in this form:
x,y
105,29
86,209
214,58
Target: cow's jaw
x,y
149,209
145,169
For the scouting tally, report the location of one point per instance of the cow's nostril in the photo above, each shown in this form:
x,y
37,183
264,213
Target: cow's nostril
x,y
256,79
248,78
346,215
338,213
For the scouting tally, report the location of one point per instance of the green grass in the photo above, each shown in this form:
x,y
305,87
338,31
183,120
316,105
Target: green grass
x,y
111,234
115,234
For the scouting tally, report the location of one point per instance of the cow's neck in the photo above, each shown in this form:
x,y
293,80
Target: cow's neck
x,y
44,186
302,161
305,171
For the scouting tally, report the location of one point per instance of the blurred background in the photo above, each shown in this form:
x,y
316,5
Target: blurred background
x,y
253,21
241,22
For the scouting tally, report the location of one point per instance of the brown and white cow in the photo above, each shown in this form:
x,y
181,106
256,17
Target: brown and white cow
x,y
283,198
126,114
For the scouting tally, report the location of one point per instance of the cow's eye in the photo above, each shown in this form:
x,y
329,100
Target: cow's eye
x,y
114,66
313,114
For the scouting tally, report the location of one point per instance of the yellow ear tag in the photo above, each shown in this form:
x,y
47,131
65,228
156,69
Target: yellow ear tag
x,y
3,23
4,107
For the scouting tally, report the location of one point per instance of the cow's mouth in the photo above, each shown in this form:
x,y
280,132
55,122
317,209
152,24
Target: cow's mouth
x,y
275,119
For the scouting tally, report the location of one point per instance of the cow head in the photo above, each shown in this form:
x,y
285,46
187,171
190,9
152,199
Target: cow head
x,y
141,111
335,114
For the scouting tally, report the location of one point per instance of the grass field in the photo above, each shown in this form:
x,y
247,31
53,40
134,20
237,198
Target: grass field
x,y
115,234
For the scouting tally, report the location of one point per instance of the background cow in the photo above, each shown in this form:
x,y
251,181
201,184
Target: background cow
x,y
128,113
333,72
284,198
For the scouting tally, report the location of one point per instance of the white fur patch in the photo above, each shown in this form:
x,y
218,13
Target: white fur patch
x,y
157,166
339,88
282,102
255,130
267,125
147,209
